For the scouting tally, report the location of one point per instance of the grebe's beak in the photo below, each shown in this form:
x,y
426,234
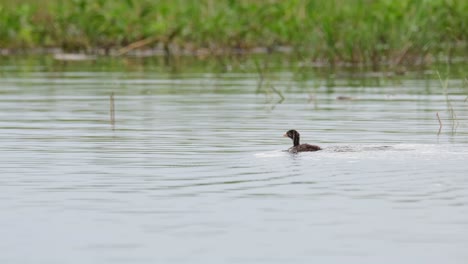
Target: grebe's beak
x,y
285,135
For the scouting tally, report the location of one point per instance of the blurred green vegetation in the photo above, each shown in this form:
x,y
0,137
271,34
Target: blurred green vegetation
x,y
354,31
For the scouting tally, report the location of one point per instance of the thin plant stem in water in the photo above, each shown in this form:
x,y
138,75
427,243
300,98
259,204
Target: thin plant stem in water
x,y
466,98
440,123
453,115
112,111
260,76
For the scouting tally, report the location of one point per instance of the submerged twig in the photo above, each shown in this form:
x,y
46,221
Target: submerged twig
x,y
278,93
136,45
112,111
440,123
260,75
344,98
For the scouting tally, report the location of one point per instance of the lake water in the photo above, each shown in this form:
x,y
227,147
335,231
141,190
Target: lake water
x,y
194,171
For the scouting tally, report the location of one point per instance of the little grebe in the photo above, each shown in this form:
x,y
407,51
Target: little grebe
x,y
294,135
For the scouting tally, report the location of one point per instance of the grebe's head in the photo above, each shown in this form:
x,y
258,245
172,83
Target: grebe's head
x,y
291,134
294,135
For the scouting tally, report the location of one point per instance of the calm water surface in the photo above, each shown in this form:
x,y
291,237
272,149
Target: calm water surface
x,y
194,170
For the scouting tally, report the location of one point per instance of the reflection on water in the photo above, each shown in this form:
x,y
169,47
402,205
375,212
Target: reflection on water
x,y
194,171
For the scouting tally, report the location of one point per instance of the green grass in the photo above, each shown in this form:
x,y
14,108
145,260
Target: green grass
x,y
354,31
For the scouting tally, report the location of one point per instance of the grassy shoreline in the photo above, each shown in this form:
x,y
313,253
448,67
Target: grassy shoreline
x,y
336,31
